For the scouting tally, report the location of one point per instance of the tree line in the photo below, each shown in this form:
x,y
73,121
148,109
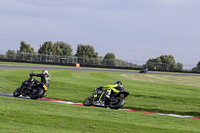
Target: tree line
x,y
163,62
65,49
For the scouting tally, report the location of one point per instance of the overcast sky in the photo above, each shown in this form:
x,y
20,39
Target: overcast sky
x,y
135,30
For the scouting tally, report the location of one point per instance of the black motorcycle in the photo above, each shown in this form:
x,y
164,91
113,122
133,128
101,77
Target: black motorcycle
x,y
98,98
31,88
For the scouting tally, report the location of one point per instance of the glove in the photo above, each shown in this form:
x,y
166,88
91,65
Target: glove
x,y
31,74
101,87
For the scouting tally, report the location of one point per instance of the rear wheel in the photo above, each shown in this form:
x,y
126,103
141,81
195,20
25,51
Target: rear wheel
x,y
37,93
88,101
117,103
17,92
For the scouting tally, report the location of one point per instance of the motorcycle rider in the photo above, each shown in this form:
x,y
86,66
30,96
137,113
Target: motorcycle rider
x,y
45,78
117,87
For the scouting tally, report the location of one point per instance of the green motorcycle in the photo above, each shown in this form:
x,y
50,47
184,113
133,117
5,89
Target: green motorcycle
x,y
98,98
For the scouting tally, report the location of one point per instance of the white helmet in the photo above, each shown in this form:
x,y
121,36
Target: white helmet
x,y
45,72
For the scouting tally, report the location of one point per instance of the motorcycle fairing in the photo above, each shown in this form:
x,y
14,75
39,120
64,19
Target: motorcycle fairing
x,y
98,101
45,87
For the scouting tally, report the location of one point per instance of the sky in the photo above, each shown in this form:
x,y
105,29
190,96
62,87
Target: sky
x,y
134,30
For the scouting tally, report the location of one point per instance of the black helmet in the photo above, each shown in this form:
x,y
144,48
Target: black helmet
x,y
118,82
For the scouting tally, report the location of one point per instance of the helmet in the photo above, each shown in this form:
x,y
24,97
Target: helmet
x,y
118,82
45,72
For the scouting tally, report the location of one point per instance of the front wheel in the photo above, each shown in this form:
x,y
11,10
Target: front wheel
x,y
36,93
88,101
117,103
17,92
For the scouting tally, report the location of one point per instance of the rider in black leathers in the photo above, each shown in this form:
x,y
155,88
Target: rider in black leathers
x,y
45,78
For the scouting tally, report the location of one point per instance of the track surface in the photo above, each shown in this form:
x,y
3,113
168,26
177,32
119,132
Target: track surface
x,y
88,69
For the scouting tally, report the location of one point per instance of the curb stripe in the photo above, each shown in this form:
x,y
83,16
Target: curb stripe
x,y
80,104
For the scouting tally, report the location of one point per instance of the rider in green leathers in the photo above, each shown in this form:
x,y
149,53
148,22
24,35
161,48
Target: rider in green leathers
x,y
117,87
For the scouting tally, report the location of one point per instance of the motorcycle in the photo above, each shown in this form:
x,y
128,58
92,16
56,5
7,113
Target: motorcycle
x,y
31,88
143,71
98,98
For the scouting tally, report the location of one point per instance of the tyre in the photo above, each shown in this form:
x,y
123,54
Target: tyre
x,y
88,101
118,103
17,92
36,93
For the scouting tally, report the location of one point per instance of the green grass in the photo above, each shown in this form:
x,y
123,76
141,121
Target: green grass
x,y
22,116
155,93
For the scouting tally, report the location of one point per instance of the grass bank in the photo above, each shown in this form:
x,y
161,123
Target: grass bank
x,y
155,93
22,115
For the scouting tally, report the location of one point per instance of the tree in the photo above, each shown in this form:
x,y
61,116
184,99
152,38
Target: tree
x,y
164,62
179,66
168,59
86,55
2,56
198,65
109,60
109,56
86,51
62,48
11,54
25,52
26,47
153,63
47,48
197,68
194,69
125,63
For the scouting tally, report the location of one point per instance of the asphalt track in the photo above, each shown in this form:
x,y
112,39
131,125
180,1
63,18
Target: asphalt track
x,y
88,69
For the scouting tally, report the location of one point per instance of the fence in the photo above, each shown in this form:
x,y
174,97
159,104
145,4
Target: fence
x,y
65,60
86,62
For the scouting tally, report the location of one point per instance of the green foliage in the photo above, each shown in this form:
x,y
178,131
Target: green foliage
x,y
179,66
109,56
26,52
63,48
109,59
2,56
125,64
194,69
88,53
11,54
157,60
164,62
197,68
168,59
26,48
47,48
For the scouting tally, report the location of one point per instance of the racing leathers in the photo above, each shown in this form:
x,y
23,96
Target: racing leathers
x,y
113,88
45,78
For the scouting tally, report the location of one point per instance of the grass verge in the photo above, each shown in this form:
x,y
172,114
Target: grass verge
x,y
22,115
154,93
